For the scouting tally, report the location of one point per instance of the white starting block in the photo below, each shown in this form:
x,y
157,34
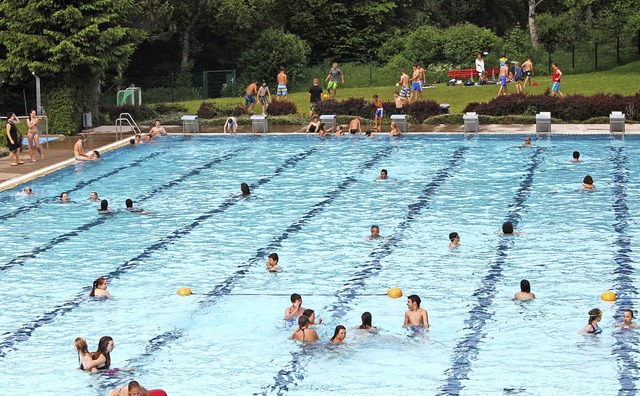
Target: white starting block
x,y
259,123
543,122
401,122
471,122
616,122
190,124
329,121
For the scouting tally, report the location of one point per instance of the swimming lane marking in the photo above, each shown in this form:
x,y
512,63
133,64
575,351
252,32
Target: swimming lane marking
x,y
466,350
623,283
21,259
293,370
78,186
10,339
225,287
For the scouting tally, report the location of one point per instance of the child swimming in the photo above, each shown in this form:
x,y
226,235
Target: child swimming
x,y
595,315
627,320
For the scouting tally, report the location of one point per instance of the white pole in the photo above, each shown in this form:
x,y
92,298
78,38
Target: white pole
x,y
38,97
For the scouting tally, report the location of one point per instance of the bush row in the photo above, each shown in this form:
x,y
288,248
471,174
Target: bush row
x,y
417,111
209,110
110,112
574,108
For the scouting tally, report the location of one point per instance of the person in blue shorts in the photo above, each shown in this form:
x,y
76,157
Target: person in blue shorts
x,y
377,121
249,99
518,77
504,72
416,85
282,86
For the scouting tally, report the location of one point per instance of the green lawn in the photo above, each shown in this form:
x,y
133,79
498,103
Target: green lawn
x,y
624,80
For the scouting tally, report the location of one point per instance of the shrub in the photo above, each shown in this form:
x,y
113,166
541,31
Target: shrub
x,y
422,110
110,112
169,108
210,110
351,106
460,43
64,116
280,108
574,108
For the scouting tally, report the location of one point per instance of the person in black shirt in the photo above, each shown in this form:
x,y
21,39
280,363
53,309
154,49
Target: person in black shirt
x,y
315,96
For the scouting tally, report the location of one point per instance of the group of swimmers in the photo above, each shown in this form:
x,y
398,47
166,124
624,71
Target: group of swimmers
x,y
355,127
104,204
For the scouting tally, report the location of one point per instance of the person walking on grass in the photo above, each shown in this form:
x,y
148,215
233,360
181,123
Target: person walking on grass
x,y
334,74
555,78
282,92
504,73
527,68
315,96
264,96
249,98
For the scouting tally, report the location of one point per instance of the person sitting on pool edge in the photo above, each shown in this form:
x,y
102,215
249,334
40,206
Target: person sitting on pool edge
x,y
595,315
576,156
132,389
272,262
375,233
383,175
587,183
339,334
296,309
455,240
525,291
415,316
303,332
311,314
78,151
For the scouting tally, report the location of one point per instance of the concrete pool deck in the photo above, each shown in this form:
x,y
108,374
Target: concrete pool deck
x,y
60,152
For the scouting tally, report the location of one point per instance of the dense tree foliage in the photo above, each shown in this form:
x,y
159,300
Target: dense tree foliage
x,y
108,43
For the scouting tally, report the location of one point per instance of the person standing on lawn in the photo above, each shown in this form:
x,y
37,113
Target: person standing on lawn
x,y
555,78
334,75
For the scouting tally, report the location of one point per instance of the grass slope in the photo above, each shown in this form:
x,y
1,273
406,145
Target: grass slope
x,y
623,80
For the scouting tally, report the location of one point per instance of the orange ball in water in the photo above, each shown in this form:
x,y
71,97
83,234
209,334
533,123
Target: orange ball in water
x,y
184,291
394,292
608,296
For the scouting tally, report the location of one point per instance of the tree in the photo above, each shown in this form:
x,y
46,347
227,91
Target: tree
x,y
71,43
274,49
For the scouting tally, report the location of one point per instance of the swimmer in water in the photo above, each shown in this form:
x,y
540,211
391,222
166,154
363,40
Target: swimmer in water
x,y
296,309
272,262
525,291
595,315
375,233
64,197
587,183
99,288
383,175
339,334
415,316
303,332
311,314
84,356
102,357
104,207
627,320
132,142
93,197
27,191
527,142
128,203
366,321
244,189
132,389
138,139
507,228
455,240
576,156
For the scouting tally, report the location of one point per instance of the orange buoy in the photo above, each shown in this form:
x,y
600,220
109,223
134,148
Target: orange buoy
x,y
184,291
394,292
608,296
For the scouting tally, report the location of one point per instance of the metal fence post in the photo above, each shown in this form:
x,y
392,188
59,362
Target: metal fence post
x,y
573,56
595,50
370,73
618,50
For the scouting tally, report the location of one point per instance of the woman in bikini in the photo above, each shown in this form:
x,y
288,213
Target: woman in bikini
x,y
303,332
32,135
592,327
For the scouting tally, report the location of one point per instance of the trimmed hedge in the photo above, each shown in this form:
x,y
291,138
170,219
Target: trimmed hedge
x,y
573,108
281,108
417,111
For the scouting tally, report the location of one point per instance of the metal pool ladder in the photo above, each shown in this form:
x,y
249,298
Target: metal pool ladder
x,y
126,117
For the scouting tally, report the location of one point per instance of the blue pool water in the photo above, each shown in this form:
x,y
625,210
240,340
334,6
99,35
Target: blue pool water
x,y
314,202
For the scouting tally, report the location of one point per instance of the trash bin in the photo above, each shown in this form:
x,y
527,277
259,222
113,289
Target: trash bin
x,y
444,108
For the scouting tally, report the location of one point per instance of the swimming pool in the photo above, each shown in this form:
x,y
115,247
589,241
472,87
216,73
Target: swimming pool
x,y
314,202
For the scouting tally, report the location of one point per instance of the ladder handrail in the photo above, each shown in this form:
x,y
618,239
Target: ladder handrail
x,y
132,124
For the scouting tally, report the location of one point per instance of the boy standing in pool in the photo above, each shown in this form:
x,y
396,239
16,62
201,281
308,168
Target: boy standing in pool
x,y
415,316
272,262
296,309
